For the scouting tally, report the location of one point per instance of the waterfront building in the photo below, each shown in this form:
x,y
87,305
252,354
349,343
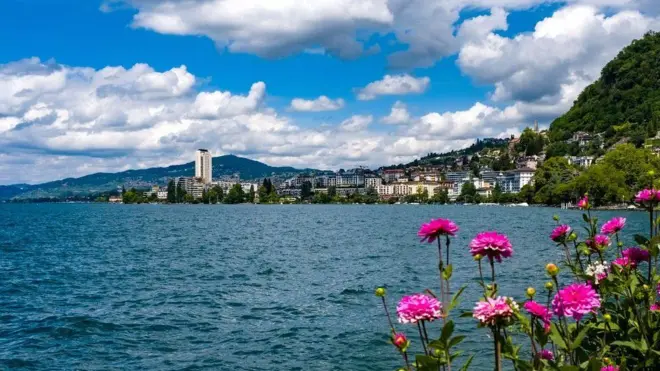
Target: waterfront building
x,y
162,194
514,180
203,166
372,181
349,180
193,186
115,199
457,176
426,176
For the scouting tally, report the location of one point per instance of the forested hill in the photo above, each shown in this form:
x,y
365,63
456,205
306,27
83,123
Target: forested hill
x,y
624,101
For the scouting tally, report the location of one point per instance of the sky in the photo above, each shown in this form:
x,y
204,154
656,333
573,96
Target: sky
x,y
111,85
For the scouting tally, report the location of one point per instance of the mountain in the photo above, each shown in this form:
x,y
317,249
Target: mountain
x,y
103,182
624,102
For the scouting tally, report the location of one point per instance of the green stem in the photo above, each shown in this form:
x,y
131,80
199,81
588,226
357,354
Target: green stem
x,y
498,349
387,312
421,338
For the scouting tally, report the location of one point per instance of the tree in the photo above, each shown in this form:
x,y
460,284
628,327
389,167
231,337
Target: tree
x,y
171,192
306,190
551,179
215,194
468,193
531,143
235,195
332,191
262,191
250,195
497,193
371,196
180,193
205,197
132,197
440,197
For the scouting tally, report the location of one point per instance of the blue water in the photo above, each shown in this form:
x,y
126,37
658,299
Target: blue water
x,y
238,287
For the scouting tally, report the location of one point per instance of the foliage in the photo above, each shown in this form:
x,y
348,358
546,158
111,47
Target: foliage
x,y
550,181
468,193
589,316
235,195
624,101
531,143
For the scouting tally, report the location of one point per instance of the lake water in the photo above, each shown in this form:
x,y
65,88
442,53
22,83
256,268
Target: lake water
x,y
239,287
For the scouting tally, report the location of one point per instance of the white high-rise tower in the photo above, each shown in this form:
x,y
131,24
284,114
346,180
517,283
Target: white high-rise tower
x,y
203,165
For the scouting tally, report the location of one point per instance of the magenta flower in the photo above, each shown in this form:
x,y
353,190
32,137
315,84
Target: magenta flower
x,y
613,225
492,244
437,227
647,196
584,202
609,368
496,310
560,233
636,255
624,262
547,355
599,242
418,307
539,311
655,307
575,301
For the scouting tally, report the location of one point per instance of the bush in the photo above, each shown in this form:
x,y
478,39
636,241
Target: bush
x,y
589,315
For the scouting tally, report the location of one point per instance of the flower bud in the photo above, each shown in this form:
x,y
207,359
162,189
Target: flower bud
x,y
400,341
619,244
646,287
549,286
555,217
531,292
437,352
572,236
489,286
380,292
607,361
651,173
607,317
552,269
478,257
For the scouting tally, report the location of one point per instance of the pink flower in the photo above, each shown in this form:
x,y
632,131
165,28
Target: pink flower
x,y
400,340
540,311
575,301
636,255
584,202
547,355
437,227
624,262
491,311
655,307
609,368
599,242
418,307
647,196
613,225
560,233
492,244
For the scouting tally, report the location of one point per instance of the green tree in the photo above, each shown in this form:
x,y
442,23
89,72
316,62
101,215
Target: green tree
x,y
550,180
262,191
332,191
171,192
235,195
306,190
497,193
371,196
531,143
250,195
468,193
440,197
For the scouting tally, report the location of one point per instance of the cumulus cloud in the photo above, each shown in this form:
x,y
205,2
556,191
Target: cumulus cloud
x,y
399,115
394,85
319,104
58,121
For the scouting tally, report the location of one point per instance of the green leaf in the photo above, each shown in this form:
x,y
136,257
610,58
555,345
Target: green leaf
x,y
580,336
627,344
428,363
447,330
586,218
466,315
455,341
446,274
466,365
454,299
556,338
569,368
641,240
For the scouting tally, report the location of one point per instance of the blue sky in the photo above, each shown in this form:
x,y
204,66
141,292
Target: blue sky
x,y
458,70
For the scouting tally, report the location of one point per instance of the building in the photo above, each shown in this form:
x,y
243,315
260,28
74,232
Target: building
x,y
203,166
162,194
527,162
393,175
354,180
582,138
582,161
426,176
457,176
386,191
514,180
193,186
372,181
115,199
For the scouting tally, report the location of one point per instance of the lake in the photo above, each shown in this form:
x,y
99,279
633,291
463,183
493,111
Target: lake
x,y
246,287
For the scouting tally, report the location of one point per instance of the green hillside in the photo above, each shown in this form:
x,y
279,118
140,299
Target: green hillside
x,y
624,102
101,182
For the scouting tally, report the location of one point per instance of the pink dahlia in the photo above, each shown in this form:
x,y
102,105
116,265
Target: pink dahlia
x,y
492,310
547,355
437,227
575,301
624,262
599,242
418,307
647,196
655,307
560,233
584,202
636,255
492,244
539,311
613,225
609,368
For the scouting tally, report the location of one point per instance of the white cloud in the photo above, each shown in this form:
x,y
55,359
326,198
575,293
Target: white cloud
x,y
399,115
319,104
356,123
394,85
